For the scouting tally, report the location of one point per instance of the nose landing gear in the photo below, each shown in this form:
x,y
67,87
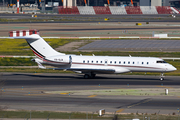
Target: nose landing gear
x,y
162,77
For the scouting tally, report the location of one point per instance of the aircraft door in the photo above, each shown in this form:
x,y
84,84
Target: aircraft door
x,y
70,59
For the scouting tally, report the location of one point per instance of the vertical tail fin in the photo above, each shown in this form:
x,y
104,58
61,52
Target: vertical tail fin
x,y
38,45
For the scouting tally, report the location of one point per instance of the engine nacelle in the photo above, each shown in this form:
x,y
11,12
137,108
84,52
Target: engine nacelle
x,y
60,59
121,70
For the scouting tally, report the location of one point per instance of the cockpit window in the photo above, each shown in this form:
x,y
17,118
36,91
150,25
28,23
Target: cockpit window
x,y
161,62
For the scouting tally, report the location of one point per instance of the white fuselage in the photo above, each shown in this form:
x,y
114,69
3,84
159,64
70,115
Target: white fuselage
x,y
119,64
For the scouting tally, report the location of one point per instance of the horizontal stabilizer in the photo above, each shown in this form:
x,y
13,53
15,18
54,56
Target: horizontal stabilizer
x,y
21,33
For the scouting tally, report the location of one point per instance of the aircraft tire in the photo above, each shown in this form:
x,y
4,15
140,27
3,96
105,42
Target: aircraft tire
x,y
161,79
86,76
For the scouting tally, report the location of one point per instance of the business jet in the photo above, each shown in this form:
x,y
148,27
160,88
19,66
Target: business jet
x,y
88,65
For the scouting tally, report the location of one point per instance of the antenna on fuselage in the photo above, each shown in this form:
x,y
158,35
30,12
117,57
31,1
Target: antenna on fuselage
x,y
129,55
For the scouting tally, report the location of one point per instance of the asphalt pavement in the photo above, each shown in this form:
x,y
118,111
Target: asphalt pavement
x,y
30,91
94,18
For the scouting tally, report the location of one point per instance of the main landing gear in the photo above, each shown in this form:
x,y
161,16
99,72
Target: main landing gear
x,y
162,77
86,76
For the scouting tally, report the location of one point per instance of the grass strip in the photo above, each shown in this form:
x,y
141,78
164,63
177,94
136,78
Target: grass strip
x,y
44,114
8,61
159,91
20,47
89,115
38,20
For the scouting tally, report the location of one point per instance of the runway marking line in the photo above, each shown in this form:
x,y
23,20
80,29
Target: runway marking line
x,y
64,93
108,87
34,94
92,96
20,89
163,86
120,110
101,86
139,103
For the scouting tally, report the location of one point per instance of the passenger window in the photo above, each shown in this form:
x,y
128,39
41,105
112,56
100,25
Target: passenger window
x,y
92,61
128,62
105,61
88,61
96,61
147,62
101,61
110,61
124,62
142,62
114,62
133,62
119,62
83,61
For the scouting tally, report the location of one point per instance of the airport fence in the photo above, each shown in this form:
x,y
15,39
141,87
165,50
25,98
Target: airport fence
x,y
164,10
96,10
133,10
72,10
118,10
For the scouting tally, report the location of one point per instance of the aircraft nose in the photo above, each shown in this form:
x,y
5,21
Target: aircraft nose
x,y
172,68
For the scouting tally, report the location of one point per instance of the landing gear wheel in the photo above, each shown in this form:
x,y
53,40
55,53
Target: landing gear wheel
x,y
161,79
86,76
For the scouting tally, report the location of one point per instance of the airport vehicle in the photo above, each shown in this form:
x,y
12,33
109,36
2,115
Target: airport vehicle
x,y
89,65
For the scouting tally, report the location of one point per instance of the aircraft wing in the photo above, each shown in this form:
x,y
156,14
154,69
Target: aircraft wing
x,y
85,70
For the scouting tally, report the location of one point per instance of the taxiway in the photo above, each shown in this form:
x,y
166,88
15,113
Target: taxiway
x,y
48,92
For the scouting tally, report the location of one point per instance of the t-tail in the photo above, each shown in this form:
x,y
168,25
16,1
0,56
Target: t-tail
x,y
42,50
38,45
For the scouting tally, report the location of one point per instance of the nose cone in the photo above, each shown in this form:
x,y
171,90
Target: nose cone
x,y
172,68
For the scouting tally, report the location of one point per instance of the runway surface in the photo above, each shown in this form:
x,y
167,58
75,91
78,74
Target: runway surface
x,y
102,29
94,18
29,91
